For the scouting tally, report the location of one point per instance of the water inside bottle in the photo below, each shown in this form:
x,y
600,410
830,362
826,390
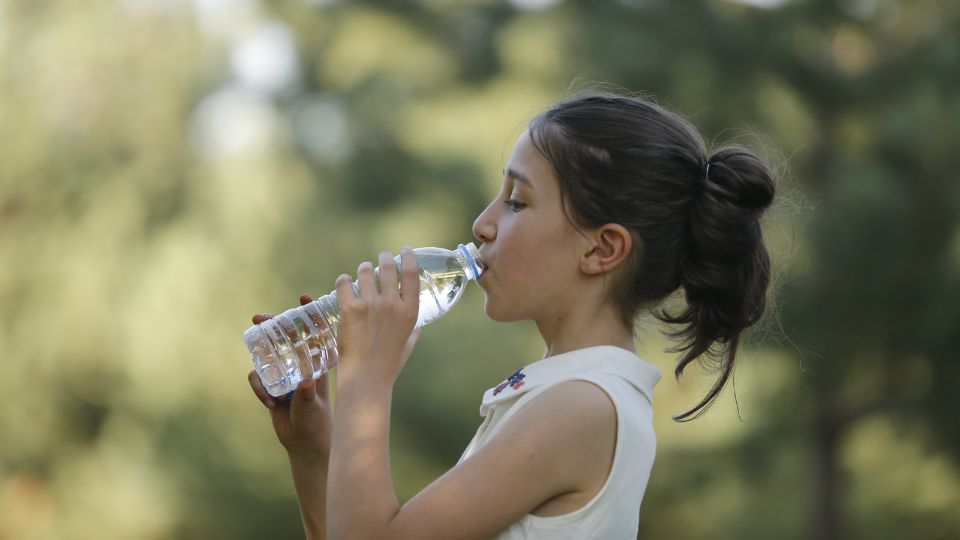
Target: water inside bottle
x,y
441,284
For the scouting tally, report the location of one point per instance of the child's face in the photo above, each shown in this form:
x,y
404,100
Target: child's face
x,y
529,245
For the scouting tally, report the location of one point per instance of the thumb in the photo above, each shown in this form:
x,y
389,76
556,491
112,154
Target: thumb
x,y
411,342
414,336
305,397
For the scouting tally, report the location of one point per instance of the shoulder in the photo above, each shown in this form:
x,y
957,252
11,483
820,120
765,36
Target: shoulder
x,y
567,431
575,402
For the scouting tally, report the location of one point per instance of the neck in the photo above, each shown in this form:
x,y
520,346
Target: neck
x,y
580,328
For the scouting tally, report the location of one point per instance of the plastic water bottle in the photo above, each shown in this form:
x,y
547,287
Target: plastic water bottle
x,y
302,342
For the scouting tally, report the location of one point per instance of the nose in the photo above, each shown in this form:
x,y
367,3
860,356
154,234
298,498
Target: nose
x,y
484,228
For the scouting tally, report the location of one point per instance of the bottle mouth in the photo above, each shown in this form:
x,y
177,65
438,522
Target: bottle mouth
x,y
481,267
472,255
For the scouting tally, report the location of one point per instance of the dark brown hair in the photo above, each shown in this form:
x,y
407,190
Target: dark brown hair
x,y
694,217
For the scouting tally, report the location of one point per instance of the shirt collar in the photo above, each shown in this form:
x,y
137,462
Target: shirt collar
x,y
602,358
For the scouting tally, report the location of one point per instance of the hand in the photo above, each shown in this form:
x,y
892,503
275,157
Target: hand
x,y
303,422
377,333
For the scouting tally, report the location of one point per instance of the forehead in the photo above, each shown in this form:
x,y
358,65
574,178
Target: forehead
x,y
527,166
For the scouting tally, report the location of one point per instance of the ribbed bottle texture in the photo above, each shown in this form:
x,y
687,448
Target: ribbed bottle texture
x,y
302,342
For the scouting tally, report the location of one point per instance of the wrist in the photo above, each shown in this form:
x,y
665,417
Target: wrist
x,y
362,395
308,458
363,381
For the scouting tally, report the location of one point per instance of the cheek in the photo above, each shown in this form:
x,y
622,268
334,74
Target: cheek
x,y
504,294
516,277
526,255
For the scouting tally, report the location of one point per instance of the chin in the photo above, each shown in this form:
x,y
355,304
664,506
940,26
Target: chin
x,y
495,313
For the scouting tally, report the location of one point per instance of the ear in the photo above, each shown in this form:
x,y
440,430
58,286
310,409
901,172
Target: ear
x,y
611,244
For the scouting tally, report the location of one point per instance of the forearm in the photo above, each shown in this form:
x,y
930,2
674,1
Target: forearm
x,y
310,482
364,500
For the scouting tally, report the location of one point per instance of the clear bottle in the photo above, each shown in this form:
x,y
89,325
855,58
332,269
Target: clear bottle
x,y
302,342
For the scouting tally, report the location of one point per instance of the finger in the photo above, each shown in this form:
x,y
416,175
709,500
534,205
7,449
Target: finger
x,y
305,299
365,280
344,287
305,390
388,274
259,390
409,278
323,387
260,317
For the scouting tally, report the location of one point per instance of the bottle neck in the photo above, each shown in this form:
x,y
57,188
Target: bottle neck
x,y
471,263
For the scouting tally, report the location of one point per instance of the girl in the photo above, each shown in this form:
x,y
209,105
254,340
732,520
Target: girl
x,y
609,204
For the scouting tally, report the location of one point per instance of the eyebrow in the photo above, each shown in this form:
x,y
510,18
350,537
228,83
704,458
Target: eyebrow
x,y
519,177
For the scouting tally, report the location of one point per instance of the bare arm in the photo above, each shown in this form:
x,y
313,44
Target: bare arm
x,y
310,482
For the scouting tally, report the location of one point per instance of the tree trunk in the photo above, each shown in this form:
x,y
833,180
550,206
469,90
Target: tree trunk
x,y
827,489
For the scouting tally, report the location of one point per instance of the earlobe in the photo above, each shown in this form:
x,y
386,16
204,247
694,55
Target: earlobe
x,y
611,244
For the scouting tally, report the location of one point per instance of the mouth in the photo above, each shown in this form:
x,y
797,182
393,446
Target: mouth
x,y
481,265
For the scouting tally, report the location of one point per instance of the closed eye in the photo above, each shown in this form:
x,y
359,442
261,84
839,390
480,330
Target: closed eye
x,y
515,206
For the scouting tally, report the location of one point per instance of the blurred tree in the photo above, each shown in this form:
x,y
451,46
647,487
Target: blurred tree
x,y
213,159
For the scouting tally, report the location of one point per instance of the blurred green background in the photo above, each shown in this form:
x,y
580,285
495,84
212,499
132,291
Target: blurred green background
x,y
170,167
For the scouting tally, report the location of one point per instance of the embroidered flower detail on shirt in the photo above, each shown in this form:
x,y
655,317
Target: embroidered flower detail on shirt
x,y
514,381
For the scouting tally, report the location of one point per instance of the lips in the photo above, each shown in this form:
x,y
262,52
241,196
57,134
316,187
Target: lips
x,y
482,264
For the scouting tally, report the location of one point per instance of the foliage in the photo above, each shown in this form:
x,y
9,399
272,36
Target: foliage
x,y
171,168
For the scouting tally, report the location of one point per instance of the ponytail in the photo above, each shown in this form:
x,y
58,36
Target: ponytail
x,y
726,268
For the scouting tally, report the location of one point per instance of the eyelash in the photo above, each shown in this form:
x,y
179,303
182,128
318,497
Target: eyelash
x,y
515,206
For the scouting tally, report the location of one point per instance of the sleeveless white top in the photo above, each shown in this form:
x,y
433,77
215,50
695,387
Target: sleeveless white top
x,y
614,512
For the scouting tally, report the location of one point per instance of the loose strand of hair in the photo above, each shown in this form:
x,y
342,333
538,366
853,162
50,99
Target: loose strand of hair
x,y
728,358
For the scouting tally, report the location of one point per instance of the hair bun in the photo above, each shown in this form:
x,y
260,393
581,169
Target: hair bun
x,y
725,225
737,176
